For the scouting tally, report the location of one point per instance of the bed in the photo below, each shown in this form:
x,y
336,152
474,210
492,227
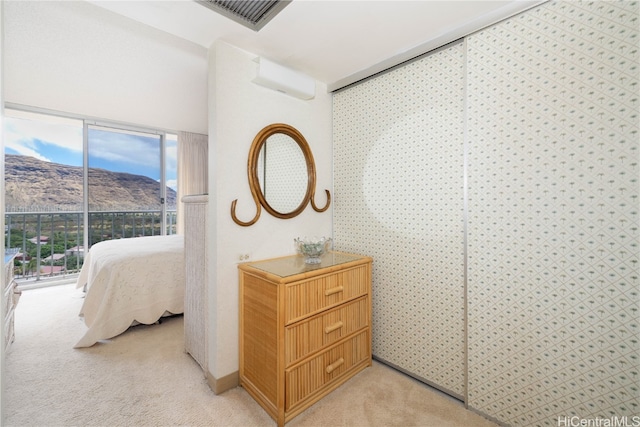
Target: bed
x,y
130,281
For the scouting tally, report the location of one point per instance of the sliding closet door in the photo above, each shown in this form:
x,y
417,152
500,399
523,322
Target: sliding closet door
x,y
549,103
553,216
398,180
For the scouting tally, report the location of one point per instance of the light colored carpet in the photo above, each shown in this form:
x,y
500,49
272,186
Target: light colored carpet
x,y
144,378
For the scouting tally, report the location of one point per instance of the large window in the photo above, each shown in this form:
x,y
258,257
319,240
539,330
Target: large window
x,y
44,162
71,183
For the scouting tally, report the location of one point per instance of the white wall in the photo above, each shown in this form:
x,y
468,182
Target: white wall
x,y
239,109
75,57
2,245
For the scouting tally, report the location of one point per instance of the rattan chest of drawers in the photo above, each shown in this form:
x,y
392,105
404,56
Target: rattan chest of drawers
x,y
304,329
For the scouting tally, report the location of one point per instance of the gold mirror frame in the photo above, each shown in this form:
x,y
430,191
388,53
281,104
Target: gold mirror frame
x,y
254,182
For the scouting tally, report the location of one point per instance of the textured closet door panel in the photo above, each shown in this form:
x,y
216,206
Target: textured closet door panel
x,y
398,189
553,215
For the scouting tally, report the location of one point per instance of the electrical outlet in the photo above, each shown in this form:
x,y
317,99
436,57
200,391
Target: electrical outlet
x,y
244,257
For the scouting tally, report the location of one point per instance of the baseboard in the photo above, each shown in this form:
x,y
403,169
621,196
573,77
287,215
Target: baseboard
x,y
220,385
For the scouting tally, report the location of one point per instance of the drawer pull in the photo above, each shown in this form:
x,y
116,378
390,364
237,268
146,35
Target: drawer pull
x,y
333,327
333,291
335,365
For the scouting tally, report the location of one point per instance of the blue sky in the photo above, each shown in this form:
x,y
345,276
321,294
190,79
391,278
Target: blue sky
x,y
59,140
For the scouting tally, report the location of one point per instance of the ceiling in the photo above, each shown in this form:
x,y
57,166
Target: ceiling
x,y
335,41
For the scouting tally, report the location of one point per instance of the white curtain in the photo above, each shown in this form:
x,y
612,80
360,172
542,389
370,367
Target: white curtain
x,y
192,169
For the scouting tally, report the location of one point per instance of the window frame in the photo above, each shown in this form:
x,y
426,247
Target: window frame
x,y
108,125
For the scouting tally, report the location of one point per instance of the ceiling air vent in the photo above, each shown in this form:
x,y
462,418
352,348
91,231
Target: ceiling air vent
x,y
253,14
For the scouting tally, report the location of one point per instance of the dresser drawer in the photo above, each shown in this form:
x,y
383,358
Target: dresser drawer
x,y
311,296
312,376
322,330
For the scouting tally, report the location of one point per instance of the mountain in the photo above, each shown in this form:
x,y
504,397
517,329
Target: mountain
x,y
36,185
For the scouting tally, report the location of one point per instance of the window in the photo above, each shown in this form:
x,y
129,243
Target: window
x,y
72,182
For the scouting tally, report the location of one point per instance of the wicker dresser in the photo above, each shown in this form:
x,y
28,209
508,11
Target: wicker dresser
x,y
304,329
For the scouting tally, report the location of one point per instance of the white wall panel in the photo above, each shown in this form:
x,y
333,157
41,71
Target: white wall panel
x,y
76,57
398,173
553,214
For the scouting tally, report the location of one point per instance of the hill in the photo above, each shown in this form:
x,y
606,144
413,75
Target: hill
x,y
36,185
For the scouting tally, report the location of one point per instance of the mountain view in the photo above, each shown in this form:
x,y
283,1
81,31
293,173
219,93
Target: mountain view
x,y
32,184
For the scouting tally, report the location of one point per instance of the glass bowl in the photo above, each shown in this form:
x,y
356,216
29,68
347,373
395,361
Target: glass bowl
x,y
312,248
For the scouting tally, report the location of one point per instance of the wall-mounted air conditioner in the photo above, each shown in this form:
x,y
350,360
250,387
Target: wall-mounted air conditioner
x,y
285,80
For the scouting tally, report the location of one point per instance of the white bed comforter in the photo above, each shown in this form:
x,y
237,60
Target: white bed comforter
x,y
130,280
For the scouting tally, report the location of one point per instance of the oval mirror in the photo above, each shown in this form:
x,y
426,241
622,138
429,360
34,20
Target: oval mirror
x,y
282,174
